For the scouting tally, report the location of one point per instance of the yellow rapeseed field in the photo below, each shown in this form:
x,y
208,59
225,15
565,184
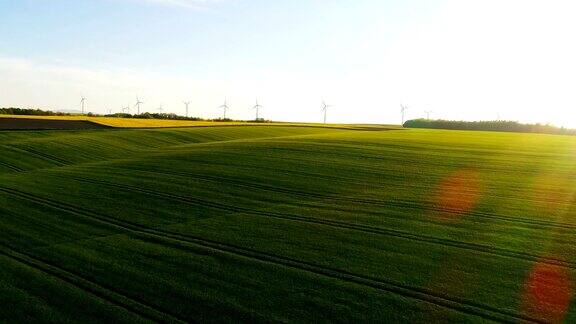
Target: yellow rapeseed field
x,y
157,123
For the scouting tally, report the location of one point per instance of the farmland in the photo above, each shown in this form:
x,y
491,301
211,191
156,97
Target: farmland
x,y
285,223
8,123
119,122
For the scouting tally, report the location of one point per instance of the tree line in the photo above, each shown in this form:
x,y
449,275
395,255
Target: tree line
x,y
30,112
146,115
494,125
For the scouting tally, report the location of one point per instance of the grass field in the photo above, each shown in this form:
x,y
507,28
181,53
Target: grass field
x,y
300,224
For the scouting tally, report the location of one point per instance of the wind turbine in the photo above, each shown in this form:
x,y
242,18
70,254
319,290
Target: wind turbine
x,y
225,108
325,109
257,107
403,110
428,114
137,105
82,103
160,109
187,103
126,109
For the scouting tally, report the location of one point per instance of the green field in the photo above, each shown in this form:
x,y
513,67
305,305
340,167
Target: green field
x,y
292,224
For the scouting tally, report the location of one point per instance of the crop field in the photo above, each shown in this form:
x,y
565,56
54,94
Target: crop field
x,y
289,224
119,122
46,124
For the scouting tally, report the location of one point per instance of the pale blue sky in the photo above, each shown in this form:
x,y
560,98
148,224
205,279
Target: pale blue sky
x,y
463,59
208,37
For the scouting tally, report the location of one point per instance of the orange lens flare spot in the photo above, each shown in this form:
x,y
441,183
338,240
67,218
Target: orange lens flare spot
x,y
457,195
548,292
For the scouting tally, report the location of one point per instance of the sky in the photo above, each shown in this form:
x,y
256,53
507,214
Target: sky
x,y
456,59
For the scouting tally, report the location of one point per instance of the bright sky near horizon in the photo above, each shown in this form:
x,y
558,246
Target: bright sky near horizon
x,y
460,59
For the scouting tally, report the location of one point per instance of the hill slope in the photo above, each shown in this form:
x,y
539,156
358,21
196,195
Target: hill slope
x,y
286,224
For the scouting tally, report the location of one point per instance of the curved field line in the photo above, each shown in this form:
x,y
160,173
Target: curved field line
x,y
108,295
15,146
41,155
439,299
401,204
346,225
11,167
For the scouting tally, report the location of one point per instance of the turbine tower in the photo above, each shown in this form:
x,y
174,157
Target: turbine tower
x,y
403,111
82,103
325,109
257,107
137,105
428,114
187,103
225,108
161,109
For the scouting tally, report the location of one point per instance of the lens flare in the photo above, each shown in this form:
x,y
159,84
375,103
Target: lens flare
x,y
457,195
548,292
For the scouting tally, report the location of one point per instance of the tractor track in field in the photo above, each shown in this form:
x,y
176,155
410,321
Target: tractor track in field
x,y
372,202
41,155
11,167
108,295
348,226
401,204
438,299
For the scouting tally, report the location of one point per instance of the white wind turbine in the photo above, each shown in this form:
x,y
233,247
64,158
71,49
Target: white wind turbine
x,y
224,107
325,109
257,107
403,111
82,104
137,105
187,103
